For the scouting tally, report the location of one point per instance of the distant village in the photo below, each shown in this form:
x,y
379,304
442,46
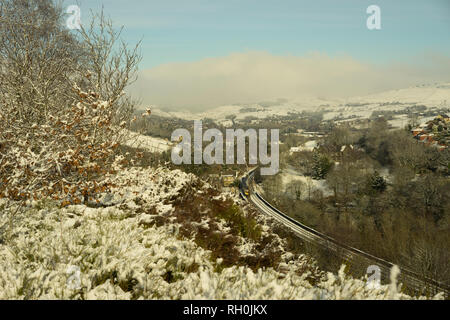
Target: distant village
x,y
435,133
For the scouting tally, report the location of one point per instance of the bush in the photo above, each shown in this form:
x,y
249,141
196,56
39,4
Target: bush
x,y
66,157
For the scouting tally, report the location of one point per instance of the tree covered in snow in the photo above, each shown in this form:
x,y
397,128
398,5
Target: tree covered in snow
x,y
62,102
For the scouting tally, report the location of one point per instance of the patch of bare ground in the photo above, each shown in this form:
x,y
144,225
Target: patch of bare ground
x,y
235,235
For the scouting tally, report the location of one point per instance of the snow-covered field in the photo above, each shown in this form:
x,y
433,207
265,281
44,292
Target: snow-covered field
x,y
402,120
289,175
116,251
148,143
430,94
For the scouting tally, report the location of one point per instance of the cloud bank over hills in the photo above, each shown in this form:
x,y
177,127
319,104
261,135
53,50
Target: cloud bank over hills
x,y
257,76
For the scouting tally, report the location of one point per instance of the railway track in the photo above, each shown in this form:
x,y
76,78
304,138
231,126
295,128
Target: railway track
x,y
413,282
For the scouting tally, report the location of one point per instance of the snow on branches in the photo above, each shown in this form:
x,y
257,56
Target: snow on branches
x,y
67,157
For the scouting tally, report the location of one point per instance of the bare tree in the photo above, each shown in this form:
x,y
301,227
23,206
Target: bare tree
x,y
295,188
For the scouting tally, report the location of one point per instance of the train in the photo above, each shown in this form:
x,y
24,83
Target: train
x,y
244,190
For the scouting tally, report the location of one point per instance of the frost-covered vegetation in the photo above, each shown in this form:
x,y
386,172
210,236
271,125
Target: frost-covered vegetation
x,y
62,102
124,251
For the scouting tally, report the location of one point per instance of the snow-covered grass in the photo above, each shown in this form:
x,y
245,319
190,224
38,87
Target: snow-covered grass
x,y
307,146
121,250
147,143
289,175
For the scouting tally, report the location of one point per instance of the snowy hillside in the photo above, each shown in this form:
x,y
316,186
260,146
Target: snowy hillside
x,y
433,95
143,242
148,143
436,94
221,114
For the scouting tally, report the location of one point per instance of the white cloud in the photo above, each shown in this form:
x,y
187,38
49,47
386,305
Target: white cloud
x,y
256,76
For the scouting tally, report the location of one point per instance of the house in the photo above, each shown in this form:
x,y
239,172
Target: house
x,y
423,137
417,131
228,180
224,180
434,133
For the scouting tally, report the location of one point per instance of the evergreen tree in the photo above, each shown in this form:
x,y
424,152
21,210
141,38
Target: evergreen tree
x,y
321,166
377,183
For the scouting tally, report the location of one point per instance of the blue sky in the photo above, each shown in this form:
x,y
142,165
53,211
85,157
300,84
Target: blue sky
x,y
190,30
203,53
